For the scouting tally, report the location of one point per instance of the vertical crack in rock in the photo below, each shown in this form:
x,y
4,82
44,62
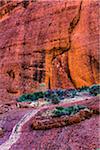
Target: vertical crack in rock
x,y
35,74
72,26
39,73
49,84
54,52
60,50
41,67
75,20
23,60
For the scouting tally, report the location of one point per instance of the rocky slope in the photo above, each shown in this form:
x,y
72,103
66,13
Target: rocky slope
x,y
51,42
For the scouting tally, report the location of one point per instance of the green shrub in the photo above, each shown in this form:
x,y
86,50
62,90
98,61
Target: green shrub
x,y
39,95
26,98
59,108
31,97
54,98
84,89
73,93
60,111
94,90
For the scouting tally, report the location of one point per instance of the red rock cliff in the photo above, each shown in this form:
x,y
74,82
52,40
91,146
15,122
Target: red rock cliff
x,y
51,42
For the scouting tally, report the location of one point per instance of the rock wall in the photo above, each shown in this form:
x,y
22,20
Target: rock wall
x,y
51,42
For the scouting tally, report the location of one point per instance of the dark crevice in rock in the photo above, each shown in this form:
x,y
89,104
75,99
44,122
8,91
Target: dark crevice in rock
x,y
25,3
49,84
24,43
39,72
35,74
75,20
70,77
11,74
24,66
37,51
12,91
40,76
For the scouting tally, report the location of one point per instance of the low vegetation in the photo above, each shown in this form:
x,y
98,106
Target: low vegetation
x,y
83,89
60,111
55,96
31,97
94,90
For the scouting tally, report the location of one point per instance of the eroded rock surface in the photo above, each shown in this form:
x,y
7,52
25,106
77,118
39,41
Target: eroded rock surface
x,y
51,42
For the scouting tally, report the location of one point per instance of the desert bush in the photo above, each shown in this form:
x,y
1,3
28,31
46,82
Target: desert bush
x,y
51,96
60,111
30,97
73,93
55,99
94,90
83,89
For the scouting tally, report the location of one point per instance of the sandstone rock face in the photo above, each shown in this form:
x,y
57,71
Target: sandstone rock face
x,y
49,42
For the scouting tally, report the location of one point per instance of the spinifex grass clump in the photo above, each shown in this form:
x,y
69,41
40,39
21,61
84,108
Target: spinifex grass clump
x,y
60,111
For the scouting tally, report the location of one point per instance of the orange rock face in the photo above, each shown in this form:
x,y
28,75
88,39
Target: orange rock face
x,y
49,42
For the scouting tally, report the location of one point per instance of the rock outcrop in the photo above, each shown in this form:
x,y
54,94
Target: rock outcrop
x,y
51,42
55,122
41,122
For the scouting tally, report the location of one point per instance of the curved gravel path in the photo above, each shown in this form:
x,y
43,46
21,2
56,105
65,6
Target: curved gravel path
x,y
16,132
